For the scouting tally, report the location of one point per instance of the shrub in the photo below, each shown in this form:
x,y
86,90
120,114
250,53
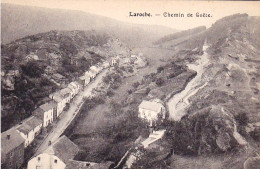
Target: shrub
x,y
129,91
136,84
159,82
160,69
110,93
242,119
32,69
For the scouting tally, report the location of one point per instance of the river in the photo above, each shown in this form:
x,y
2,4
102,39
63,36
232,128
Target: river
x,y
178,104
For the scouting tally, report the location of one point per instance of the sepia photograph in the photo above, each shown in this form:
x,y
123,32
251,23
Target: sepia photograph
x,y
130,84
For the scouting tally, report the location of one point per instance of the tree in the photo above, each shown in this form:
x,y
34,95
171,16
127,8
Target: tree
x,y
160,69
32,69
159,82
242,119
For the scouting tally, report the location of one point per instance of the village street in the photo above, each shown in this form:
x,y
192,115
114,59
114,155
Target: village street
x,y
68,116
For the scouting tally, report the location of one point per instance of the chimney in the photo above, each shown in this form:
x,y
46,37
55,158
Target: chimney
x,y
8,137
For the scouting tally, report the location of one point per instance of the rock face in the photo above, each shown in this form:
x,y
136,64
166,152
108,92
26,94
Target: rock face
x,y
8,79
219,115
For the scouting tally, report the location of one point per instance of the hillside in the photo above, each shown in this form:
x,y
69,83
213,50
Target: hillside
x,y
37,65
171,41
217,113
33,20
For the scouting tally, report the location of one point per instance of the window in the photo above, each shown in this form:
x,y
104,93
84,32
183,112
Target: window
x,y
39,158
55,161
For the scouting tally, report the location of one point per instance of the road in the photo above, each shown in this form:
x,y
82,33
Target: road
x,y
68,116
178,103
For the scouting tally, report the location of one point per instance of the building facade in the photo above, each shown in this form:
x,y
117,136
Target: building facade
x,y
12,149
29,129
151,111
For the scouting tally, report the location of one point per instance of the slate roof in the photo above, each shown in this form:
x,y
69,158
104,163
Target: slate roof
x,y
65,91
14,141
47,106
63,148
29,124
88,165
148,105
58,76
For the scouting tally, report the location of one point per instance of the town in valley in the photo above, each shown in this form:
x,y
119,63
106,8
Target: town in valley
x,y
81,91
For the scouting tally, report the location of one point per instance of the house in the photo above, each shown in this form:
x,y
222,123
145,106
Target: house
x,y
12,149
64,92
88,165
84,80
46,112
29,128
105,64
94,69
31,56
74,87
151,111
49,70
91,73
58,78
115,61
61,98
46,161
57,155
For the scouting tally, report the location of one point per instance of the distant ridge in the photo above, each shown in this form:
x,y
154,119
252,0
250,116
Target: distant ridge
x,y
20,21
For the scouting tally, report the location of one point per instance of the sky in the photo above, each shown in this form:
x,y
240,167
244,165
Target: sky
x,y
120,10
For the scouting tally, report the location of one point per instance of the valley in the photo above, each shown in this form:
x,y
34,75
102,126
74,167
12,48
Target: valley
x,y
145,98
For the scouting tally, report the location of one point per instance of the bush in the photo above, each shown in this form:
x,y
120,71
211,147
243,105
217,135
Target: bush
x,y
110,93
129,91
147,90
160,69
159,82
32,69
136,84
242,119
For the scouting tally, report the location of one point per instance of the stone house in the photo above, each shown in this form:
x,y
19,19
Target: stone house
x,y
74,87
57,155
12,149
61,99
46,112
151,111
29,129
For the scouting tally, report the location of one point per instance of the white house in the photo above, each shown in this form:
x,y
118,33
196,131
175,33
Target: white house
x,y
46,113
84,80
91,73
105,64
64,92
74,87
151,111
61,98
115,61
94,69
46,161
57,156
29,128
31,56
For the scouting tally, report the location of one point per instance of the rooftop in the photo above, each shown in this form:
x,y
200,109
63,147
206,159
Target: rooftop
x,y
63,148
58,76
65,91
29,124
154,106
10,139
48,106
88,165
